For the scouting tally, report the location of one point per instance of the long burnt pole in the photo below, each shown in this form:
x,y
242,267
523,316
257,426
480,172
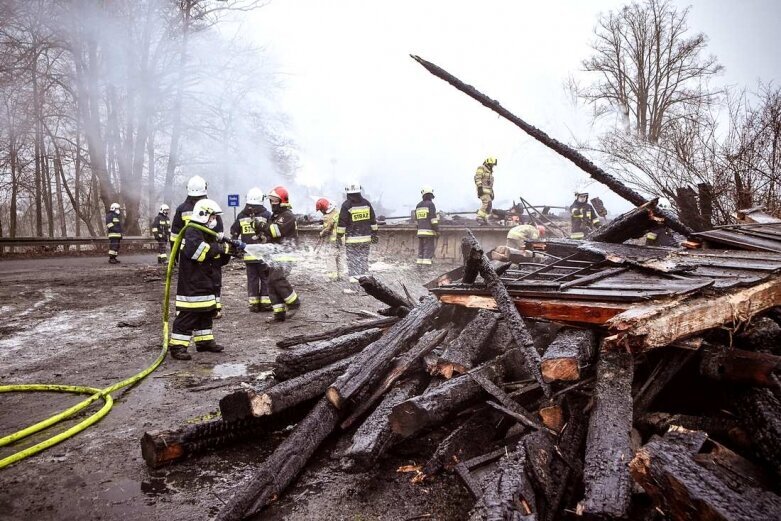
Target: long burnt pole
x,y
570,153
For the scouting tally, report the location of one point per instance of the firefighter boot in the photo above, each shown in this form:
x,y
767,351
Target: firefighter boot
x,y
254,308
180,353
211,346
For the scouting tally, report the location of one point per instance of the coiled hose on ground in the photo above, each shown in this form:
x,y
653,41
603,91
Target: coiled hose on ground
x,y
95,394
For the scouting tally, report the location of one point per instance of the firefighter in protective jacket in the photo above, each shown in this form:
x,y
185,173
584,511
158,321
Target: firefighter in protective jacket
x,y
161,231
282,230
196,191
201,255
114,232
583,218
484,182
428,226
358,225
330,222
254,216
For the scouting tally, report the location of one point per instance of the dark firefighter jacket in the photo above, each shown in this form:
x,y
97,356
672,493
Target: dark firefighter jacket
x,y
282,227
583,218
161,228
247,228
113,225
356,221
201,257
426,217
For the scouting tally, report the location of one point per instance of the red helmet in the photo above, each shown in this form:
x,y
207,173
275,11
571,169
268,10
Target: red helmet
x,y
322,205
280,192
541,230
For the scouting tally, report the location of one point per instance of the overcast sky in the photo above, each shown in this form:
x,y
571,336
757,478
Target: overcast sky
x,y
361,109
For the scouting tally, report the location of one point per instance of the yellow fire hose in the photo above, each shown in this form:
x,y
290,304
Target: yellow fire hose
x,y
95,394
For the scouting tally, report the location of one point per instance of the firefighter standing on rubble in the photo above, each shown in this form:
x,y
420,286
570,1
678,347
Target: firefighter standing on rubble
x,y
114,232
281,229
583,218
428,227
330,222
484,182
201,255
196,191
161,231
358,225
254,216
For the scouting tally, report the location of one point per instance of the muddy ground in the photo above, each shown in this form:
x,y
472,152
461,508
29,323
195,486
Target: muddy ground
x,y
60,324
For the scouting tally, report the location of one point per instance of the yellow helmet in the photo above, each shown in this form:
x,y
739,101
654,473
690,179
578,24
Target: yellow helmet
x,y
490,161
426,190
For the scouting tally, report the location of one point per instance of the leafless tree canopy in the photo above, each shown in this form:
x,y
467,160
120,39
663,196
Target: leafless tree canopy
x,y
118,101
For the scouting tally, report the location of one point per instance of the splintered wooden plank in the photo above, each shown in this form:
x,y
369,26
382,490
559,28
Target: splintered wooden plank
x,y
573,311
659,324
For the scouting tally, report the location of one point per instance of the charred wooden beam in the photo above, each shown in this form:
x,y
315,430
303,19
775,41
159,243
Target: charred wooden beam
x,y
375,436
759,411
666,368
316,355
466,441
470,347
660,324
608,446
518,412
472,259
440,402
337,332
427,342
568,152
686,489
630,225
371,363
506,306
571,350
383,293
720,427
284,464
739,366
246,403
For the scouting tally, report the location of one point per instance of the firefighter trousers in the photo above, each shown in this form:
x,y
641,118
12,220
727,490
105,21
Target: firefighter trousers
x,y
257,284
357,259
426,246
486,204
162,250
280,291
195,325
113,247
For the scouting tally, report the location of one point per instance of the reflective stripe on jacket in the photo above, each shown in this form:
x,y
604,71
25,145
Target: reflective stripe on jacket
x,y
426,218
357,221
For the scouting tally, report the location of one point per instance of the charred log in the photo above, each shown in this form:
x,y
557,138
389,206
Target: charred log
x,y
671,361
759,411
337,332
720,427
312,356
470,347
383,293
739,366
631,225
571,350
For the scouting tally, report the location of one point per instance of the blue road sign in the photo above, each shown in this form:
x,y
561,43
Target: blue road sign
x,y
233,200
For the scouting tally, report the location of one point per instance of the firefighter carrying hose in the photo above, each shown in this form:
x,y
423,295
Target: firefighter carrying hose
x,y
358,224
281,229
583,218
196,190
328,233
484,182
428,227
254,216
161,231
114,232
201,255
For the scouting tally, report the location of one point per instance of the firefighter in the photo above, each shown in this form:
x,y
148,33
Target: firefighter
x,y
201,255
114,232
583,218
161,231
330,221
660,235
254,216
196,190
282,230
484,182
518,235
358,225
428,227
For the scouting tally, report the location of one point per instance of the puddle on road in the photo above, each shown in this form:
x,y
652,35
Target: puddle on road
x,y
229,370
154,487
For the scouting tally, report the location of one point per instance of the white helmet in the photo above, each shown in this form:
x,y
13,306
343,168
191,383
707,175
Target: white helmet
x,y
204,209
255,196
664,203
196,186
164,208
353,188
426,190
114,207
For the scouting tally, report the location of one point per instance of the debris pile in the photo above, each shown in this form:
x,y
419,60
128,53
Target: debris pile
x,y
613,381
